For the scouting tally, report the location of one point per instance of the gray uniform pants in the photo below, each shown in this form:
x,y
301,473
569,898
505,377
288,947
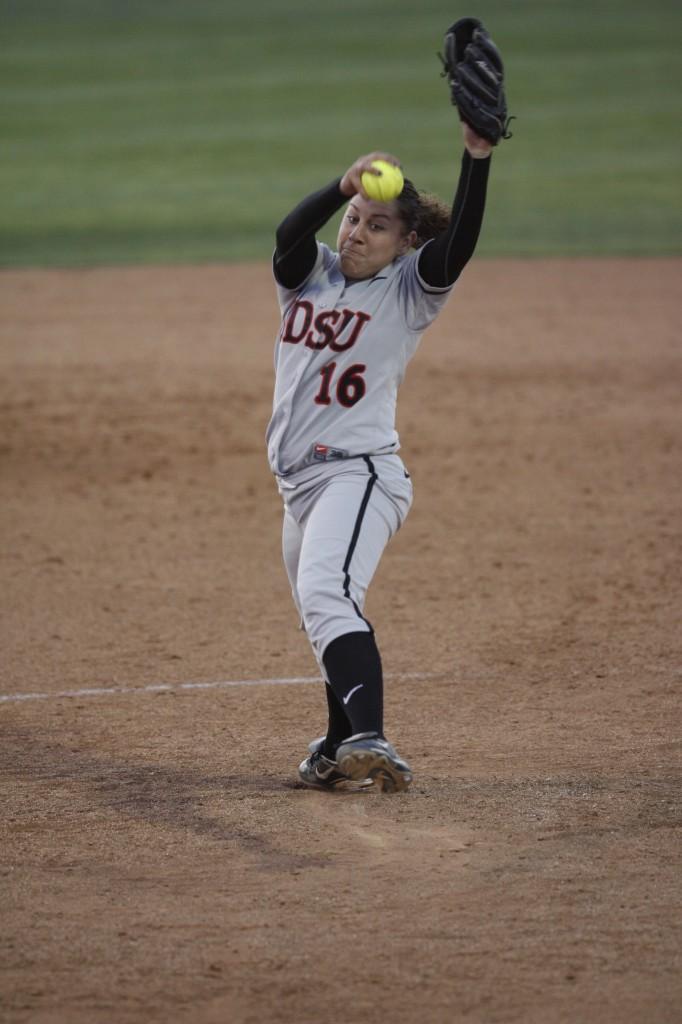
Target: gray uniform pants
x,y
338,518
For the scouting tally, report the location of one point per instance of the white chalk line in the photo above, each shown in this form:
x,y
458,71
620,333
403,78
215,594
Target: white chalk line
x,y
103,691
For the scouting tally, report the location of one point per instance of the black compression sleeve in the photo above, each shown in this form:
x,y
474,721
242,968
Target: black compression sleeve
x,y
442,260
296,249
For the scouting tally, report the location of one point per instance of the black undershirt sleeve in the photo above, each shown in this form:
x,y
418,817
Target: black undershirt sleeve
x,y
296,248
442,260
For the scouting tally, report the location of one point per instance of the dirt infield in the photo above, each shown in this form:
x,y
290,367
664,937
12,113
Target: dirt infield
x,y
159,861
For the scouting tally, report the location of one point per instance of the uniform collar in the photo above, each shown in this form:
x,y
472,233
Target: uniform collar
x,y
337,275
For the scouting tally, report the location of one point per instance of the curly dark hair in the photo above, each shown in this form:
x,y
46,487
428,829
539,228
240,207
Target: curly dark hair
x,y
422,212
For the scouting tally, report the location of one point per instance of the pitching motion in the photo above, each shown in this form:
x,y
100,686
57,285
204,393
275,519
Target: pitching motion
x,y
351,320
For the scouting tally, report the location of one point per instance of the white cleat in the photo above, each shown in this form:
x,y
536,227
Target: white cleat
x,y
320,772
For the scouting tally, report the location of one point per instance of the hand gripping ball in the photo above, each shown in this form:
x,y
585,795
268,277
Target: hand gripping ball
x,y
385,186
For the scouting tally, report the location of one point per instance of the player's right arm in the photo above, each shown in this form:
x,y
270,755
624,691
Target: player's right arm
x,y
296,247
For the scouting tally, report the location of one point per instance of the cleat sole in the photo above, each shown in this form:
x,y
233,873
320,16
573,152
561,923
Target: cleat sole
x,y
367,764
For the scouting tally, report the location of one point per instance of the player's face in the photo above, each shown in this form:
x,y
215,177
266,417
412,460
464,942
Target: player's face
x,y
370,237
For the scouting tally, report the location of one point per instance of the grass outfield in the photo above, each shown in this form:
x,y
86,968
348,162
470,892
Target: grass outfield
x,y
179,132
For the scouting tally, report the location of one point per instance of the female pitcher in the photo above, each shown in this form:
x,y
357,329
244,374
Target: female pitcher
x,y
351,321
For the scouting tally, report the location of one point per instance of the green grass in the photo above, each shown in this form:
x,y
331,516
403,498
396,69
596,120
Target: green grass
x,y
144,130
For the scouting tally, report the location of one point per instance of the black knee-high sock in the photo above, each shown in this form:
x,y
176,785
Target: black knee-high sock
x,y
353,667
339,726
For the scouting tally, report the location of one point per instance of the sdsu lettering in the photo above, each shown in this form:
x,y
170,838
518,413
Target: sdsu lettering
x,y
340,357
329,325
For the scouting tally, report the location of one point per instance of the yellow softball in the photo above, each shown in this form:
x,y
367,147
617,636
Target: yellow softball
x,y
384,186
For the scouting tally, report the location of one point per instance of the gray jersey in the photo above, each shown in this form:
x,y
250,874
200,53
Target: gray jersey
x,y
340,356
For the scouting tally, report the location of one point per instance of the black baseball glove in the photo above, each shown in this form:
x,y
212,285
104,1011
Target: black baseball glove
x,y
475,73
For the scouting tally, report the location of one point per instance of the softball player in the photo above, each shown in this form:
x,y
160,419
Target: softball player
x,y
350,322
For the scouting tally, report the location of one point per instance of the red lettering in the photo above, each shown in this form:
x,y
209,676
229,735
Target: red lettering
x,y
325,330
360,320
346,318
290,334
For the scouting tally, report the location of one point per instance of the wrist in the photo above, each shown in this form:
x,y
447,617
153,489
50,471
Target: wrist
x,y
481,152
477,147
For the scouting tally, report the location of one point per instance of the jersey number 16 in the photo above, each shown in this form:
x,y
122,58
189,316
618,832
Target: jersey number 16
x,y
350,386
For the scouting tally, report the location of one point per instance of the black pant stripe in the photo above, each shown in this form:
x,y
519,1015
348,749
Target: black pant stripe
x,y
355,535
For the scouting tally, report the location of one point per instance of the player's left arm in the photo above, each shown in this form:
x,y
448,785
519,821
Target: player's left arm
x,y
442,260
